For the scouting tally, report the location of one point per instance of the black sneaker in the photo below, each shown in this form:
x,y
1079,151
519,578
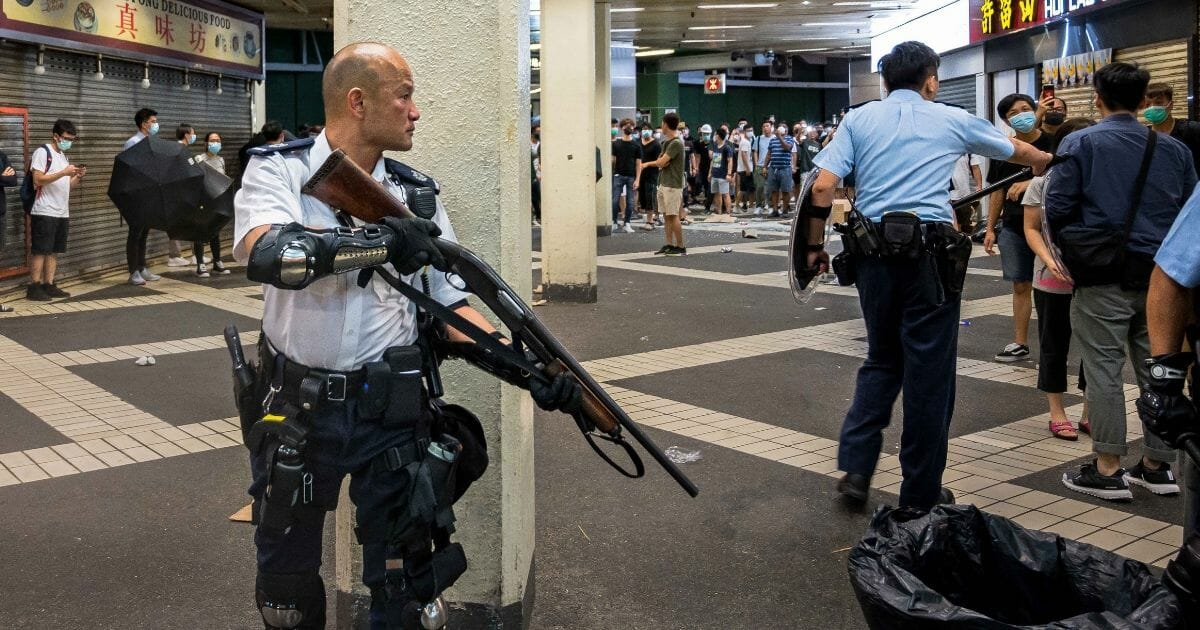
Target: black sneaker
x,y
1012,352
1161,481
53,291
1090,482
663,250
680,251
37,293
945,496
854,488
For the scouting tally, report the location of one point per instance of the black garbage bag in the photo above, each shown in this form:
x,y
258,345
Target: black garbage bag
x,y
957,567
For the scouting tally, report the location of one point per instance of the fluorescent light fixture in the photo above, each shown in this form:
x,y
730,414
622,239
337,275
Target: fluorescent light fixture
x,y
852,4
641,48
706,41
806,3
656,52
627,10
799,50
820,39
741,5
862,23
535,91
717,28
535,47
625,30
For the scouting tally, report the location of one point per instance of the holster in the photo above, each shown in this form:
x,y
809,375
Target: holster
x,y
951,251
860,238
249,384
845,266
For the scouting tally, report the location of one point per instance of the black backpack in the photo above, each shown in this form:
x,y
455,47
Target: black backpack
x,y
29,192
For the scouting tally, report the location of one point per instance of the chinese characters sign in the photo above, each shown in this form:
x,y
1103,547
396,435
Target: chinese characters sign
x,y
194,33
992,18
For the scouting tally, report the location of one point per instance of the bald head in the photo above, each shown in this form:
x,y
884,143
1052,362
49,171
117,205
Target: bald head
x,y
368,66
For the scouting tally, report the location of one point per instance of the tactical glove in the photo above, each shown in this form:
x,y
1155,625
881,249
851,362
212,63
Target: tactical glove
x,y
1163,408
561,394
413,247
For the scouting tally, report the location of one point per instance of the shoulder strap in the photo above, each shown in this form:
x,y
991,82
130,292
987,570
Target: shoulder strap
x,y
1140,183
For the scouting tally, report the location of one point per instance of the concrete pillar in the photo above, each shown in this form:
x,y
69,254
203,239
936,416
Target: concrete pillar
x,y
603,95
568,157
471,72
258,105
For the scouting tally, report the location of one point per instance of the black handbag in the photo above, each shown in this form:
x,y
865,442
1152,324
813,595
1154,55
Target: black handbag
x,y
1096,255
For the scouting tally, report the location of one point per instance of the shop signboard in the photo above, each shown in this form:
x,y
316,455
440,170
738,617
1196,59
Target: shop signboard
x,y
198,34
993,18
1074,70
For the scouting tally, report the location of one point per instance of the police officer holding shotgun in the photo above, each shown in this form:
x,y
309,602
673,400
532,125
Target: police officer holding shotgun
x,y
343,376
908,261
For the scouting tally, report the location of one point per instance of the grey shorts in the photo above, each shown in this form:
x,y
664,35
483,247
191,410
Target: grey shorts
x,y
719,186
779,180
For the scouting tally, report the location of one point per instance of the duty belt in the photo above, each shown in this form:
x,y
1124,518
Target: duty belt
x,y
309,388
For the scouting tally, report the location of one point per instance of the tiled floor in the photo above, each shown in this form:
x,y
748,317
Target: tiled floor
x,y
99,429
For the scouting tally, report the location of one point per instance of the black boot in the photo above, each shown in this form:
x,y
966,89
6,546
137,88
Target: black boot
x,y
36,292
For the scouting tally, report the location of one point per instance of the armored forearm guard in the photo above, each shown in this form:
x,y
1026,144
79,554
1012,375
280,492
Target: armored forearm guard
x,y
292,256
816,212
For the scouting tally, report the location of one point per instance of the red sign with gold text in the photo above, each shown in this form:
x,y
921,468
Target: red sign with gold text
x,y
993,18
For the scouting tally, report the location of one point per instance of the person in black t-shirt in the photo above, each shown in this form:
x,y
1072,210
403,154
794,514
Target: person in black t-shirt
x,y
1160,100
648,180
1004,207
700,165
721,155
627,163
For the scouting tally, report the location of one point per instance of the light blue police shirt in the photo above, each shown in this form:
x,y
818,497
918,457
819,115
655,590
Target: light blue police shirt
x,y
903,149
1179,255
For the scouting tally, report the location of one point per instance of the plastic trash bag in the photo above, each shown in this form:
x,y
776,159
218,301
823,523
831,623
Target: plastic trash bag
x,y
958,567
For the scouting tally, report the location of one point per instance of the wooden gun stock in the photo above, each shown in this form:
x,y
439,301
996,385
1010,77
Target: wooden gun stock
x,y
347,187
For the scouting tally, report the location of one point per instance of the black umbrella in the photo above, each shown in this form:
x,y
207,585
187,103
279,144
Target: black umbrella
x,y
155,184
214,211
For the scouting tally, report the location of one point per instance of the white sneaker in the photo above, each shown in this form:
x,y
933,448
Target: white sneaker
x,y
150,276
178,261
202,271
221,269
628,229
616,228
135,278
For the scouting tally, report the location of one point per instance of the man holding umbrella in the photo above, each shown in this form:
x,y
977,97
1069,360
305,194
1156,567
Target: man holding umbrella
x,y
146,120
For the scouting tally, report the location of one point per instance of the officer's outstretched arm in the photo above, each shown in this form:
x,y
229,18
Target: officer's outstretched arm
x,y
293,256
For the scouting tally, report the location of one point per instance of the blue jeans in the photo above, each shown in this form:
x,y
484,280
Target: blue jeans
x,y
912,342
623,182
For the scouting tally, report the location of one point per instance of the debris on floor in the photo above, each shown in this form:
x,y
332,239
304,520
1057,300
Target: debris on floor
x,y
144,361
681,455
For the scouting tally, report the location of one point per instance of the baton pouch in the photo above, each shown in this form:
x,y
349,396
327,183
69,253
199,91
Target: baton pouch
x,y
901,232
844,267
393,389
860,236
247,397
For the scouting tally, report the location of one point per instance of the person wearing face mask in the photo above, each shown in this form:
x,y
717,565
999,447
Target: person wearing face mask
x,y
146,120
54,177
745,167
1005,209
212,159
648,178
627,164
1160,100
1051,113
701,164
185,135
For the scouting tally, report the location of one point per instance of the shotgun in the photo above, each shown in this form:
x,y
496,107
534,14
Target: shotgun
x,y
343,185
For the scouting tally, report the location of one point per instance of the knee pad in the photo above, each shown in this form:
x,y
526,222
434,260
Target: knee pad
x,y
290,601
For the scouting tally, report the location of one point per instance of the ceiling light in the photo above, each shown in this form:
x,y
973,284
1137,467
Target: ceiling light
x,y
832,24
706,41
627,10
806,3
625,30
535,91
657,52
741,5
852,4
641,48
717,28
800,50
820,39
535,47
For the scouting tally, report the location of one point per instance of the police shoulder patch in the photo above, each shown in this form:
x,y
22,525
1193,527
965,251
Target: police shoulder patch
x,y
283,147
402,173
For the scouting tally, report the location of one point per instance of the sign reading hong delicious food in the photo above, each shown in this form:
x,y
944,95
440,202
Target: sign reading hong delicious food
x,y
200,34
992,18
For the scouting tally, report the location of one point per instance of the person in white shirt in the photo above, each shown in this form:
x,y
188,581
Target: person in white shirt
x,y
967,178
54,177
146,120
745,168
325,338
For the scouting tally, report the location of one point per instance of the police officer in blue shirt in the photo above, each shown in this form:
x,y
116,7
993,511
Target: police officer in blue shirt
x,y
909,262
1162,406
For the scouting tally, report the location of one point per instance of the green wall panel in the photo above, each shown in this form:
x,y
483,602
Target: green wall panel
x,y
790,104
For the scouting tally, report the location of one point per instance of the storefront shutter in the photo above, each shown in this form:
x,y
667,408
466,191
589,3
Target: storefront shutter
x,y
960,92
103,114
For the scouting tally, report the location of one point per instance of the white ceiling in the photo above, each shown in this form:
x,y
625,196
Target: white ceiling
x,y
828,27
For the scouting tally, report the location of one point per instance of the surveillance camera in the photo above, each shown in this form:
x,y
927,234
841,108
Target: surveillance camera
x,y
735,55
